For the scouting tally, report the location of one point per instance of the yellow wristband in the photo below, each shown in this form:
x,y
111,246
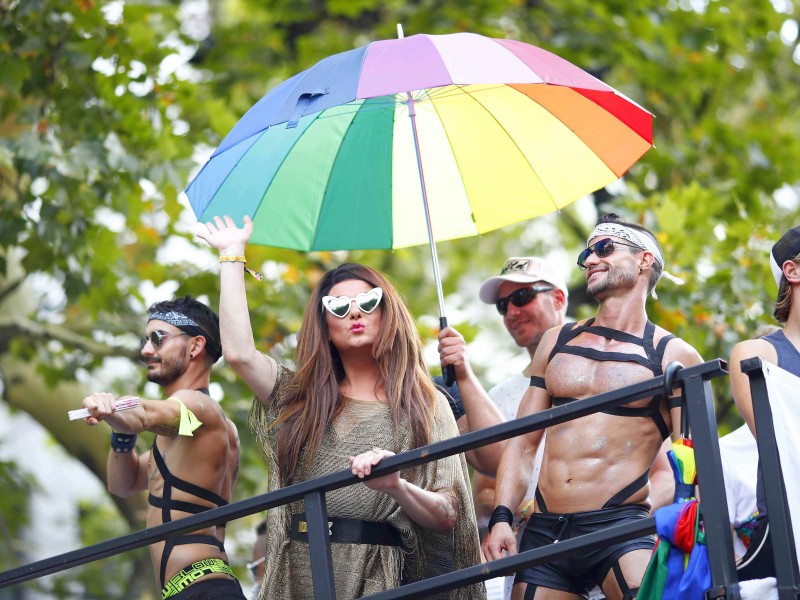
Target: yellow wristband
x,y
232,258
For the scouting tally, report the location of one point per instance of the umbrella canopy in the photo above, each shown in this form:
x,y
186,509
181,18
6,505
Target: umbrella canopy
x,y
504,131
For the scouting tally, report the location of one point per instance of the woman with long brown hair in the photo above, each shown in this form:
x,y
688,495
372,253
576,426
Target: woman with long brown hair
x,y
361,393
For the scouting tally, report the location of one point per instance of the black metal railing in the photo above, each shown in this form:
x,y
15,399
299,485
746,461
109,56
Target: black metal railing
x,y
780,521
695,382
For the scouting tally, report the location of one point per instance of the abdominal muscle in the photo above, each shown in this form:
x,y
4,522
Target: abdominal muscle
x,y
589,460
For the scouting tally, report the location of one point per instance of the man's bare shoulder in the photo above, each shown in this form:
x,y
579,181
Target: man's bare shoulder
x,y
677,350
550,336
205,408
547,343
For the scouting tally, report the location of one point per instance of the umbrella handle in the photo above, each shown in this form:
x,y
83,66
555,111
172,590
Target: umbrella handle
x,y
448,372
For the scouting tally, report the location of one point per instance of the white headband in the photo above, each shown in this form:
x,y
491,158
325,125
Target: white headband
x,y
638,239
643,241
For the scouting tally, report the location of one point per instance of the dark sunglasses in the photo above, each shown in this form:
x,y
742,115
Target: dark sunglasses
x,y
157,338
602,248
520,297
339,306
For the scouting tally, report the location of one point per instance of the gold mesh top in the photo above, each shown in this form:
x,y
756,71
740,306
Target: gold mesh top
x,y
362,569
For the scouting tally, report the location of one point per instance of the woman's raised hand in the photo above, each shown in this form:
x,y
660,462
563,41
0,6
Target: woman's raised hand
x,y
225,236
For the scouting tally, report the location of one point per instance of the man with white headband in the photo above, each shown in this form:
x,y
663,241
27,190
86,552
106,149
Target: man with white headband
x,y
595,469
192,464
780,348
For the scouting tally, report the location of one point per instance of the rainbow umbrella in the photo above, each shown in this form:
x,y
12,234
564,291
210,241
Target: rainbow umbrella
x,y
499,131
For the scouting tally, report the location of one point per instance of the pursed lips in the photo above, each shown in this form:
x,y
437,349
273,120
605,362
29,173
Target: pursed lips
x,y
357,327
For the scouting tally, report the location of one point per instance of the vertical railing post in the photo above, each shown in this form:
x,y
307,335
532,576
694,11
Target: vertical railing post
x,y
714,503
319,546
780,523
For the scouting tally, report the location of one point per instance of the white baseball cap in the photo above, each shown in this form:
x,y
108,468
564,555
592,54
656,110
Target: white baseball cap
x,y
521,269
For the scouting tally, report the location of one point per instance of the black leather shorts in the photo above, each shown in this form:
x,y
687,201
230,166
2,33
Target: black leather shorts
x,y
580,573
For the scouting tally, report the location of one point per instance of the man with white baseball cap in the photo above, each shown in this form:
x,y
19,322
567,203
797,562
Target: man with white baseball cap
x,y
531,297
780,348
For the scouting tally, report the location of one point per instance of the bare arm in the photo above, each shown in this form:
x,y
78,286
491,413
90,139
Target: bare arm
x,y
662,481
483,495
238,346
740,382
127,472
480,411
516,466
678,350
431,510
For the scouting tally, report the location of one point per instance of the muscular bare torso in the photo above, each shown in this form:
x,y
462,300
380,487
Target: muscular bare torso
x,y
209,459
590,460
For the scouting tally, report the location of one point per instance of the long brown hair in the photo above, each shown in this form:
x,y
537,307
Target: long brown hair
x,y
312,402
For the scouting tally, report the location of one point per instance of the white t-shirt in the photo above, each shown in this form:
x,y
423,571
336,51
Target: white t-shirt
x,y
739,454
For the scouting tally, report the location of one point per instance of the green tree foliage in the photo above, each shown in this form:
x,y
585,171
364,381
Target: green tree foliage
x,y
103,121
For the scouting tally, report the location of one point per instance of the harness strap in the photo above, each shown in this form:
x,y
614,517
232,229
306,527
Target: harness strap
x,y
603,355
167,504
183,485
629,489
530,591
651,410
620,577
540,500
538,382
567,333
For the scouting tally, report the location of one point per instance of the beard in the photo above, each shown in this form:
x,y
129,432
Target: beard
x,y
167,370
616,278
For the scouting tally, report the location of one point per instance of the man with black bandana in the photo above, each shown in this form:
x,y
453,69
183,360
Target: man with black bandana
x,y
194,459
594,472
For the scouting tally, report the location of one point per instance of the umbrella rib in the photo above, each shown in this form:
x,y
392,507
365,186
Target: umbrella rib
x,y
577,135
277,169
510,137
333,166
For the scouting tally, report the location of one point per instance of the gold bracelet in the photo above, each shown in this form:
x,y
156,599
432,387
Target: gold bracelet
x,y
230,258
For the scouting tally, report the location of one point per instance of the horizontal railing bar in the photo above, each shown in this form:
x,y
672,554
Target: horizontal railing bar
x,y
333,481
511,564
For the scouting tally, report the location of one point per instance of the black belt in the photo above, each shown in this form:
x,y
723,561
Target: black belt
x,y
350,531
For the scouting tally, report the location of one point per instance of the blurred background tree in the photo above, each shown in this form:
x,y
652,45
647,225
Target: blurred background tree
x,y
107,108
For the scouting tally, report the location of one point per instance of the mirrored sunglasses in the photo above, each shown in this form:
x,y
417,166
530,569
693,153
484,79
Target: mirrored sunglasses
x,y
157,338
520,297
339,306
603,248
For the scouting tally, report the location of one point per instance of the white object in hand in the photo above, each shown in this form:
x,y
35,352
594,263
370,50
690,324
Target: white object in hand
x,y
122,404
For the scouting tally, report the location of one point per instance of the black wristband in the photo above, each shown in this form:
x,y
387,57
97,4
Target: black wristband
x,y
123,442
501,514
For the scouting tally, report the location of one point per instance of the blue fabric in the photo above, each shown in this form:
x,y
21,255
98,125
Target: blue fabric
x,y
697,577
260,115
692,582
338,75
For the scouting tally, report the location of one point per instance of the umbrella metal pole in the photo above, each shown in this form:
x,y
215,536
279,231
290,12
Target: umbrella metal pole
x,y
437,278
448,372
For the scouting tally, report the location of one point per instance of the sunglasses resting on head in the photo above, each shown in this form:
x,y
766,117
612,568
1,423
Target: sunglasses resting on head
x,y
520,297
602,249
339,306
